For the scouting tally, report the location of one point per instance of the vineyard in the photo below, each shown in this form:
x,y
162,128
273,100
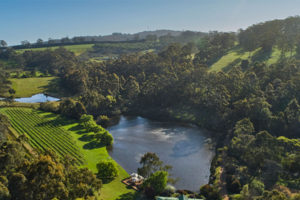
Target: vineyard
x,y
65,137
43,133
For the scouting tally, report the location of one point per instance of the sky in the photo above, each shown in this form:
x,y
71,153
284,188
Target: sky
x,y
32,19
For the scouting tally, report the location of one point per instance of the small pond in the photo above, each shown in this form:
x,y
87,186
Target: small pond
x,y
37,98
183,147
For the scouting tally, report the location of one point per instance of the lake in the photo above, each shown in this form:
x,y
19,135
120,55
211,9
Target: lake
x,y
183,147
37,98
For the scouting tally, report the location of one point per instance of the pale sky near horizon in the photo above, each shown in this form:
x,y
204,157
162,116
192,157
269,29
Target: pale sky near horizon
x,y
33,19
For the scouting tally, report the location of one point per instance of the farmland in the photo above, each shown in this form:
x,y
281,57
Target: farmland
x,y
77,49
65,137
236,55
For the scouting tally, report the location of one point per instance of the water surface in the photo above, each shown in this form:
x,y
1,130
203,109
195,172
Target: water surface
x,y
183,147
37,98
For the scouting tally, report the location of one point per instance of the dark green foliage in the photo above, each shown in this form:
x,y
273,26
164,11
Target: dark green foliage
x,y
103,120
107,139
256,188
150,164
23,176
50,107
273,195
283,33
248,107
156,183
233,184
4,192
210,193
71,108
101,135
243,126
4,83
214,46
107,170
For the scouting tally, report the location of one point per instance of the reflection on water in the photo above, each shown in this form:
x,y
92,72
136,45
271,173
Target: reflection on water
x,y
183,147
37,98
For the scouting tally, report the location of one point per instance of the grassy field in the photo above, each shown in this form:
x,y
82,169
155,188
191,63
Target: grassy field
x,y
77,49
65,136
234,57
26,87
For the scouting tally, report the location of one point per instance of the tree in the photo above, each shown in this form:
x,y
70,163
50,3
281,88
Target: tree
x,y
210,193
4,192
107,139
39,41
65,40
25,43
72,108
12,91
156,183
244,126
51,41
3,43
107,170
273,195
150,164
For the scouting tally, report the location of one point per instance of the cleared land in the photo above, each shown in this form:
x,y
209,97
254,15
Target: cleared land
x,y
235,56
77,49
26,87
65,136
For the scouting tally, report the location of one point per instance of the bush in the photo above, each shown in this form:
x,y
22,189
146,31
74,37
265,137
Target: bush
x,y
233,184
107,139
4,192
156,183
89,124
107,170
103,120
72,108
50,107
169,190
209,192
256,187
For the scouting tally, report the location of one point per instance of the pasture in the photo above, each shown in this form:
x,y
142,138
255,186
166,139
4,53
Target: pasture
x,y
26,87
236,55
65,137
77,49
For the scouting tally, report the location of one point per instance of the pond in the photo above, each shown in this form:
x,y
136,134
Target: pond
x,y
37,98
183,147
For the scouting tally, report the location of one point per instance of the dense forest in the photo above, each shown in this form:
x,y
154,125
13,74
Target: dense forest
x,y
253,108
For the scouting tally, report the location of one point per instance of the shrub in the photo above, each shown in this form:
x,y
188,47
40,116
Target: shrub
x,y
103,120
107,139
169,190
89,124
156,183
72,108
233,184
107,170
4,192
256,187
50,107
209,192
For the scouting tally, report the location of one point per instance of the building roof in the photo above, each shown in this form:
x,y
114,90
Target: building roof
x,y
181,197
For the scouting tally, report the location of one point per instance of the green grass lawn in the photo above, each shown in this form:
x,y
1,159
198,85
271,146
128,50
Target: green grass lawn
x,y
37,122
234,57
229,58
77,49
26,87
